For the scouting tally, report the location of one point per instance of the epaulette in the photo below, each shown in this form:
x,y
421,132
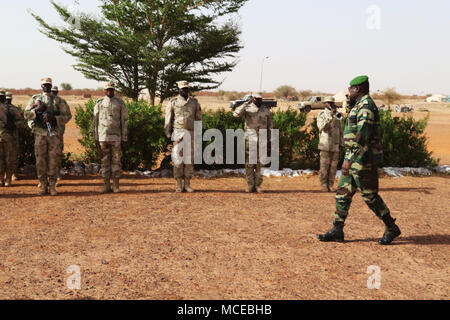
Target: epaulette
x,y
99,100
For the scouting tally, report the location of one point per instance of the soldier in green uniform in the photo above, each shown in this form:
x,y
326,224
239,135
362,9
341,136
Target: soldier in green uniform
x,y
363,156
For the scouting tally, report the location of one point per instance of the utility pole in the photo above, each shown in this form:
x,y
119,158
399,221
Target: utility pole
x,y
262,71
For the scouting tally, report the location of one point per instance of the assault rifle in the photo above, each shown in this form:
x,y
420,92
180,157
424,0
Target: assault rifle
x,y
269,103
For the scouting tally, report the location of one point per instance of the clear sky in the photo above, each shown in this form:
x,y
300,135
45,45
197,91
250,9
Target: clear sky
x,y
318,45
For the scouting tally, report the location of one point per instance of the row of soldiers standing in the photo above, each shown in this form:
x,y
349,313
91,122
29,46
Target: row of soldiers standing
x,y
48,114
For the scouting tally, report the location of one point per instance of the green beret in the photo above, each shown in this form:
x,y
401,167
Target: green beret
x,y
359,80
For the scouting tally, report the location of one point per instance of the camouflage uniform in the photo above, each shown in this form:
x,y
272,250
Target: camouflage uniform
x,y
362,139
255,120
9,145
331,139
110,130
181,115
46,147
62,128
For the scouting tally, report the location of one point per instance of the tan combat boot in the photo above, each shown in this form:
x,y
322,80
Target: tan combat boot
x,y
187,185
106,186
179,188
325,188
250,189
53,191
116,188
15,177
259,190
43,187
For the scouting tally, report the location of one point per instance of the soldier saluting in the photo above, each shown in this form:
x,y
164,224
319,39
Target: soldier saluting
x,y
256,117
47,113
363,156
110,134
329,122
10,120
181,114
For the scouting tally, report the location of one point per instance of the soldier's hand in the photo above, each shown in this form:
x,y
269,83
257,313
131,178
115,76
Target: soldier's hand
x,y
346,168
41,107
48,117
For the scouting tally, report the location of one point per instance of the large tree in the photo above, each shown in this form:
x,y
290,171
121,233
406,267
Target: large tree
x,y
151,43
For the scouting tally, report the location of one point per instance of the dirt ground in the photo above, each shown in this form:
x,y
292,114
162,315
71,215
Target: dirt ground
x,y
220,243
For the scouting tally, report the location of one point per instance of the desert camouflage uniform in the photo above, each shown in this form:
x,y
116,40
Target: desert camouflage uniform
x,y
331,139
110,129
46,147
181,115
362,139
255,120
62,128
9,144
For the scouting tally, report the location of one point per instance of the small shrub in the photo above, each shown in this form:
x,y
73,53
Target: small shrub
x,y
285,92
305,94
298,144
26,143
146,138
390,96
404,141
66,86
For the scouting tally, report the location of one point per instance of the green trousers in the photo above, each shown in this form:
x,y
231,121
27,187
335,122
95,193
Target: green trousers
x,y
365,179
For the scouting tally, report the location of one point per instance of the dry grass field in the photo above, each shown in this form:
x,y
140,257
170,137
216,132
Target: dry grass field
x,y
220,243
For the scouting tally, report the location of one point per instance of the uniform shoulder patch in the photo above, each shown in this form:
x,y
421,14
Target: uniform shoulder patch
x,y
99,100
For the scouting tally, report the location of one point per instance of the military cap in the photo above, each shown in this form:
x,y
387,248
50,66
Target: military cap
x,y
2,93
55,88
359,80
257,95
183,84
329,99
109,85
8,95
46,81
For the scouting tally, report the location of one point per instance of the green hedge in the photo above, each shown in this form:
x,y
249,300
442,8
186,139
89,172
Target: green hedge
x,y
404,139
146,138
26,143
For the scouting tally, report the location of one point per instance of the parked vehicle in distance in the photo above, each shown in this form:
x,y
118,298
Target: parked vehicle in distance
x,y
315,102
404,108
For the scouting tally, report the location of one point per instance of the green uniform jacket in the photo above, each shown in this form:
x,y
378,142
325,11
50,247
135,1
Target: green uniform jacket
x,y
362,136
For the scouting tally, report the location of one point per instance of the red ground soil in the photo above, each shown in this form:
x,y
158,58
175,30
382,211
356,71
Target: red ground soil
x,y
220,243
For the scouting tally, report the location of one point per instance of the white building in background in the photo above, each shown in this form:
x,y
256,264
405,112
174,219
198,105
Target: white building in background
x,y
436,98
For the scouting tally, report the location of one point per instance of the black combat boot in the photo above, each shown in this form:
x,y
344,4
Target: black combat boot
x,y
334,235
392,230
